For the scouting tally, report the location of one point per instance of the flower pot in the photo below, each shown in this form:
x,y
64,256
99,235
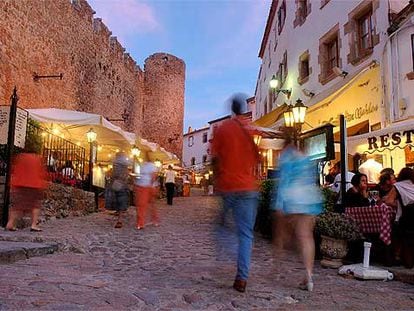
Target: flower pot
x,y
333,251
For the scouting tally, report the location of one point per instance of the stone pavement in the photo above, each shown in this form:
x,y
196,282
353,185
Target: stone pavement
x,y
171,267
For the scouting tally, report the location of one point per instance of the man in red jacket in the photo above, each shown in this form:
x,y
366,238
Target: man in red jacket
x,y
236,156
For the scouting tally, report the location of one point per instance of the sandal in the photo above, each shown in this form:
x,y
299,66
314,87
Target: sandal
x,y
118,225
306,285
10,229
36,229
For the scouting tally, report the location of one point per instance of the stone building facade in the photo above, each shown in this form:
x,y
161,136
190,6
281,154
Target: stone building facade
x,y
43,37
348,58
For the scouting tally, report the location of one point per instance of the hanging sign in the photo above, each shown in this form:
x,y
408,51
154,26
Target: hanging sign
x,y
391,140
21,126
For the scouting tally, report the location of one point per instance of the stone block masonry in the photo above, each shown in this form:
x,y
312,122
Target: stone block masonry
x,y
49,37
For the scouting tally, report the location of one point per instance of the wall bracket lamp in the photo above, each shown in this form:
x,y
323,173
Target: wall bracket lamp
x,y
273,85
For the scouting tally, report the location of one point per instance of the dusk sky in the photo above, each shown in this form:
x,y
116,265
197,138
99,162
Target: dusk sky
x,y
218,40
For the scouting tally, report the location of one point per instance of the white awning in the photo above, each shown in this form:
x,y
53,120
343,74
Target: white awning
x,y
74,125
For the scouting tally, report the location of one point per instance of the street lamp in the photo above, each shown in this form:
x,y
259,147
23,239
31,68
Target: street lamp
x,y
91,137
299,111
257,138
274,82
135,153
157,163
295,117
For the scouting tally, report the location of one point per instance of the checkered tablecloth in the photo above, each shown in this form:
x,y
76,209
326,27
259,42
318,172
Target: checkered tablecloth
x,y
377,219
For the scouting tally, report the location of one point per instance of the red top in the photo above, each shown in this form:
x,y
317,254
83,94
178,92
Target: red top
x,y
236,155
28,171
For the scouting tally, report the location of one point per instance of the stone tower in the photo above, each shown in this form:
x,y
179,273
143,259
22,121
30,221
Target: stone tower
x,y
163,109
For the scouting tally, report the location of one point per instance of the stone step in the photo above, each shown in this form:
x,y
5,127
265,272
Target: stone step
x,y
14,251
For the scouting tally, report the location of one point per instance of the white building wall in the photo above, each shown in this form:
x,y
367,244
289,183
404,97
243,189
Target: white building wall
x,y
306,37
399,56
198,149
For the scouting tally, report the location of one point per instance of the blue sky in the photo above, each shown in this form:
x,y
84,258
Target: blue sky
x,y
218,40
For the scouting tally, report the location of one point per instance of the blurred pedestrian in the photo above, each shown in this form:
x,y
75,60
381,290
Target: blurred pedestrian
x,y
119,186
298,201
28,182
235,156
170,184
145,193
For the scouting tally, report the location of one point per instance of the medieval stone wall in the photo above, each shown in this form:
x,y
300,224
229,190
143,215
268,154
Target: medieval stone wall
x,y
49,37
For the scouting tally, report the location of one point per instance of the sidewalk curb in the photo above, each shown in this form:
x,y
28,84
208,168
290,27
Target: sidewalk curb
x,y
14,251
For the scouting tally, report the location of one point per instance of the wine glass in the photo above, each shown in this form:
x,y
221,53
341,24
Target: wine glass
x,y
373,196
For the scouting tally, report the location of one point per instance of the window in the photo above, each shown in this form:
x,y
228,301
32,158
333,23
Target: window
x,y
333,55
281,16
192,161
282,72
329,55
412,49
204,137
204,158
275,45
361,31
365,33
190,141
285,67
304,69
303,9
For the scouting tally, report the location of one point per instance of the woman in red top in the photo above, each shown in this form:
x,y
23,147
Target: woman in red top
x,y
27,184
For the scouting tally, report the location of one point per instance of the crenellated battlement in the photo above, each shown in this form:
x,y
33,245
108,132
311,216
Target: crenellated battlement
x,y
83,8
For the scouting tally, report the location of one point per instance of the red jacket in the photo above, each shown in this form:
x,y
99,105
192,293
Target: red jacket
x,y
237,157
28,171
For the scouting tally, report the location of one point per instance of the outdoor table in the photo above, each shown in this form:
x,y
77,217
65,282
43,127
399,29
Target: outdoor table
x,y
376,219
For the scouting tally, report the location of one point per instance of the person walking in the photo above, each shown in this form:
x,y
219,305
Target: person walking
x,y
235,157
119,186
28,182
145,193
298,200
170,184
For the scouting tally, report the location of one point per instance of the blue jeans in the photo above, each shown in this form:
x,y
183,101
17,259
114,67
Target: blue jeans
x,y
244,208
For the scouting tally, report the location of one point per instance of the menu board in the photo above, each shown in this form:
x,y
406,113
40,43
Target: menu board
x,y
20,129
315,146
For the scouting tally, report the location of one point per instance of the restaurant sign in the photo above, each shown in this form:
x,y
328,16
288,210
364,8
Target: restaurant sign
x,y
391,140
20,127
354,115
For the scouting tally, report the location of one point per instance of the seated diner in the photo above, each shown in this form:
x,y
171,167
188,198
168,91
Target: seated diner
x,y
357,195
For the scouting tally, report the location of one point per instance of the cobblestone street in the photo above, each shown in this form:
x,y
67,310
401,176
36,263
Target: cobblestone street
x,y
171,267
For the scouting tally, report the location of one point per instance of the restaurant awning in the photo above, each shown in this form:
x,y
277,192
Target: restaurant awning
x,y
268,120
357,96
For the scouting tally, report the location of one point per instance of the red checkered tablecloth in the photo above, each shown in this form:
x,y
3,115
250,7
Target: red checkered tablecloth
x,y
377,219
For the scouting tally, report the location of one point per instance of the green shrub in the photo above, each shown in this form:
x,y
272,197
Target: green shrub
x,y
263,222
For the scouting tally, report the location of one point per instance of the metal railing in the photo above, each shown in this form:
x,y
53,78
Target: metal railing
x,y
59,154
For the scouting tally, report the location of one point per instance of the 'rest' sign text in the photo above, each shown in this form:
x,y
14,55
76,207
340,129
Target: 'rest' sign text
x,y
390,140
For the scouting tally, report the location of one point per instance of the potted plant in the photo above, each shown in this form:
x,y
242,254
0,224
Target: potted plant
x,y
263,222
335,230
